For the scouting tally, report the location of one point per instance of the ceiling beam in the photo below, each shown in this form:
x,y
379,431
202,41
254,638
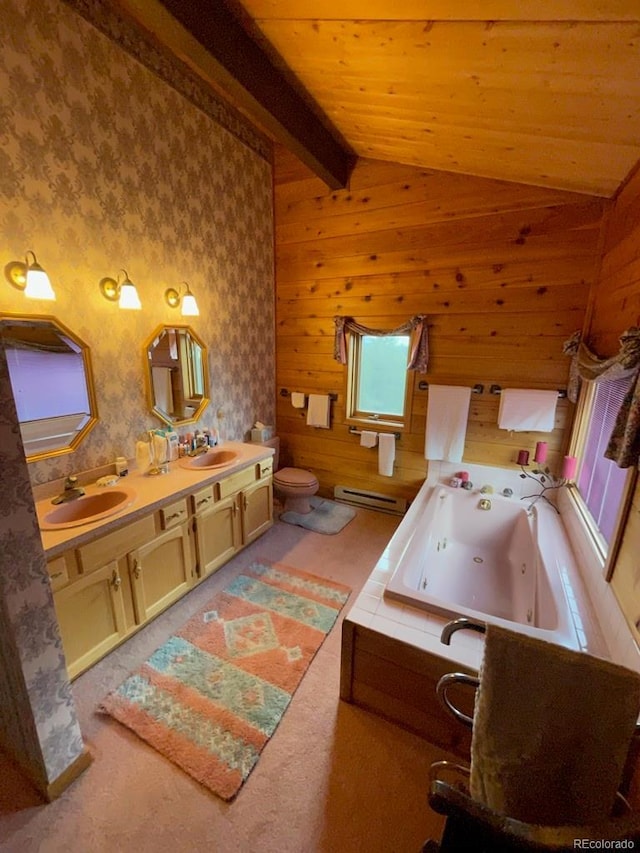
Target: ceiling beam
x,y
210,40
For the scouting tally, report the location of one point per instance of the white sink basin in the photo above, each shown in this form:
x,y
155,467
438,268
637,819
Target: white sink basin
x,y
88,509
210,459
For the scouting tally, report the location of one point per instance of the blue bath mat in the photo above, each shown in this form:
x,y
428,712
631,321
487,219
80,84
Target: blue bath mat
x,y
325,517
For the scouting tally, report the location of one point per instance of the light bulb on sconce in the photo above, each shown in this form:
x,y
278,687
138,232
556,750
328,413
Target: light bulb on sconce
x,y
30,278
124,291
189,305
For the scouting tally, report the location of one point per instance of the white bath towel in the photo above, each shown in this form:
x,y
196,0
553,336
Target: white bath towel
x,y
368,438
551,730
386,453
527,410
162,392
318,411
447,413
297,399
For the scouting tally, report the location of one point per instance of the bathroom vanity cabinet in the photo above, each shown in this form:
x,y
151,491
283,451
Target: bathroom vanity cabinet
x,y
106,589
230,514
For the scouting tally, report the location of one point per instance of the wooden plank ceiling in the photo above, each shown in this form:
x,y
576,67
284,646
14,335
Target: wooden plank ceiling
x,y
540,92
543,92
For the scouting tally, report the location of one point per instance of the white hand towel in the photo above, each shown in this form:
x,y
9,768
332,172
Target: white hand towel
x,y
386,453
368,438
297,399
447,413
527,410
318,411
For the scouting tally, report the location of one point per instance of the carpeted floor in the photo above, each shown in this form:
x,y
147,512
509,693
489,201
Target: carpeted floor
x,y
334,779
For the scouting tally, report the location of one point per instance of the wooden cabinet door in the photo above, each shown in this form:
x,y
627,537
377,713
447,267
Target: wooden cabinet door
x,y
218,535
91,617
161,572
257,509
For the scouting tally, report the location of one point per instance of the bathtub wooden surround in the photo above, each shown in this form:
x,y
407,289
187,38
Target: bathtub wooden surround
x,y
502,270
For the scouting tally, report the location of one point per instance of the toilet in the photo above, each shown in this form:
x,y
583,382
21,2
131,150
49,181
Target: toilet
x,y
295,486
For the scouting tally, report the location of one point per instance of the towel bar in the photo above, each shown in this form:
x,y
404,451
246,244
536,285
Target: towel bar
x,y
284,392
354,431
497,389
478,388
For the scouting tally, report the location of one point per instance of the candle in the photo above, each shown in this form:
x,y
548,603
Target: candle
x,y
569,467
464,476
523,457
541,452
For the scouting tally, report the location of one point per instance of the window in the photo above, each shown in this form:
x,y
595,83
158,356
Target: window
x,y
377,378
601,485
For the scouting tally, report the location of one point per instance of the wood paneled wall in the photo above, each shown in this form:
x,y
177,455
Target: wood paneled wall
x,y
502,270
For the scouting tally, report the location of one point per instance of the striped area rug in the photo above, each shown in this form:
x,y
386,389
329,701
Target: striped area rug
x,y
210,698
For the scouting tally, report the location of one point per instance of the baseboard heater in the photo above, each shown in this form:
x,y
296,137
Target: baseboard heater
x,y
372,500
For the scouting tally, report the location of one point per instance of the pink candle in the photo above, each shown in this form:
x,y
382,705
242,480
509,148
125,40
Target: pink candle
x,y
523,457
541,452
464,476
569,467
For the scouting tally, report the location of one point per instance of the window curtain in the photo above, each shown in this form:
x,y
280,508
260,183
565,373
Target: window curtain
x,y
416,327
624,444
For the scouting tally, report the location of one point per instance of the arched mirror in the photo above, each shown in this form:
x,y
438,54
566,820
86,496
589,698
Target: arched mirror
x,y
176,374
52,383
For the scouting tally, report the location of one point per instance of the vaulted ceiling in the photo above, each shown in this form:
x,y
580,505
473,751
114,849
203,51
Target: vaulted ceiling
x,y
543,92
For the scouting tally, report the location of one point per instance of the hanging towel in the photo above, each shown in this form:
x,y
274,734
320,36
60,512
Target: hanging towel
x,y
551,730
297,399
386,453
318,411
368,438
527,410
162,393
447,413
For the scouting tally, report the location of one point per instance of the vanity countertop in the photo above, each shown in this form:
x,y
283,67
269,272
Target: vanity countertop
x,y
152,492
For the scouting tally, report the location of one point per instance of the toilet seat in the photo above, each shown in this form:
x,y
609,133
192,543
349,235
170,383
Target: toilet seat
x,y
295,478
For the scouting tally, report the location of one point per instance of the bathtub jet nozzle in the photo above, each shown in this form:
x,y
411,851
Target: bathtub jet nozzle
x,y
485,504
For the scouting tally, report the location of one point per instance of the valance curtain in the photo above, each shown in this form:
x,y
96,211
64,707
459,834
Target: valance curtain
x,y
624,444
416,327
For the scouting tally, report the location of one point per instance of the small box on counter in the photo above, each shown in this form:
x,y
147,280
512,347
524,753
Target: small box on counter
x,y
259,434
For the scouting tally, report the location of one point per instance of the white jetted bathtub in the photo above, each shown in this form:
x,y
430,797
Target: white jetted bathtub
x,y
505,565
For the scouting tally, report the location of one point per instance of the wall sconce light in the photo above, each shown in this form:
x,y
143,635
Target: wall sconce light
x,y
124,291
189,305
30,278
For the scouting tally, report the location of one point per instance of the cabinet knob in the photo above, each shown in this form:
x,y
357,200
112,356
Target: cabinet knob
x,y
116,580
245,501
137,568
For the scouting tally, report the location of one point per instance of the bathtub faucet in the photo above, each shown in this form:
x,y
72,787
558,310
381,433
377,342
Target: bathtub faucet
x,y
458,624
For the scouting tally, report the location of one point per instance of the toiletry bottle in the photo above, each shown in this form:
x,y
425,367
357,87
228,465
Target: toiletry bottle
x,y
122,467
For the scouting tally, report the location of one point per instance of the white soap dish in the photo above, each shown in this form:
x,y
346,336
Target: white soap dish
x,y
109,480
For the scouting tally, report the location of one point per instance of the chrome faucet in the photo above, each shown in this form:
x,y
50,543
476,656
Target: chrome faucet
x,y
458,624
202,446
71,491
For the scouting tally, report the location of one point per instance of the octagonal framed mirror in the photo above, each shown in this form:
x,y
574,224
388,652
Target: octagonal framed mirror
x,y
52,383
176,374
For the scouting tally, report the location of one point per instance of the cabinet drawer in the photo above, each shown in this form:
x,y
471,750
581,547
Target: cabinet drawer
x,y
116,544
266,468
236,482
203,499
173,514
58,573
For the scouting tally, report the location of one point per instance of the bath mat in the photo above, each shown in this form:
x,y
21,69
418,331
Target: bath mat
x,y
325,517
210,698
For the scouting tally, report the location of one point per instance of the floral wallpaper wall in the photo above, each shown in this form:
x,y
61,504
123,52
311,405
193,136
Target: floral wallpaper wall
x,y
104,166
38,722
